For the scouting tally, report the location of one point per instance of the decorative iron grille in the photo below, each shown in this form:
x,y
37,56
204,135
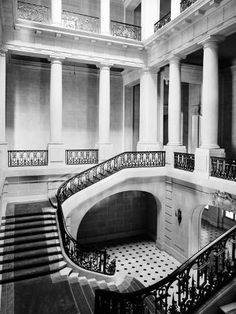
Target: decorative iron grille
x,y
163,21
81,156
184,161
185,4
27,158
183,291
79,21
223,168
32,12
125,30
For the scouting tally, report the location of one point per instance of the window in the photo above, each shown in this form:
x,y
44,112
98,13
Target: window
x,y
230,215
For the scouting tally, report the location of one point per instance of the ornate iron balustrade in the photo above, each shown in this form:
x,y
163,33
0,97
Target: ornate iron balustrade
x,y
125,30
32,12
185,289
81,156
185,4
223,168
79,21
27,158
184,161
163,21
86,257
107,168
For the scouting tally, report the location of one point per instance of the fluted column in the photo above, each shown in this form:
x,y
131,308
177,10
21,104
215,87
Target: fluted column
x,y
150,14
174,103
105,16
210,95
175,8
104,145
148,111
3,144
56,147
56,11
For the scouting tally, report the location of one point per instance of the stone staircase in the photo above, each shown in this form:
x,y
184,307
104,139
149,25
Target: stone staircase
x,y
29,246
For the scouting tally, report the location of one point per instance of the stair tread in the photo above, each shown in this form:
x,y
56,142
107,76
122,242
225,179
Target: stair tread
x,y
89,294
27,225
34,252
30,263
29,246
28,232
32,272
79,297
29,238
30,214
10,220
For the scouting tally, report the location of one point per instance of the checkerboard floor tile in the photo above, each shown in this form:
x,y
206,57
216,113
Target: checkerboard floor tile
x,y
142,260
209,233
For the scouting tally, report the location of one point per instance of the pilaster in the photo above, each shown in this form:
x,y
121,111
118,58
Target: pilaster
x,y
56,12
105,16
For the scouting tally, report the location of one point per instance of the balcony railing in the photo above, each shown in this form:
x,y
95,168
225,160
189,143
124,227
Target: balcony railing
x,y
27,158
185,4
223,168
81,156
163,21
183,291
184,161
79,21
32,12
125,30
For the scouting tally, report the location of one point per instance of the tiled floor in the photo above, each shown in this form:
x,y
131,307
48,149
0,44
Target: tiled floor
x,y
209,233
143,260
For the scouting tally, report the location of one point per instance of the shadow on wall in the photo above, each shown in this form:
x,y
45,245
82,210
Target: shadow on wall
x,y
119,216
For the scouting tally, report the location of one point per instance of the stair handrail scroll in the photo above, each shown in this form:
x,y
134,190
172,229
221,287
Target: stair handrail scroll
x,y
183,291
89,257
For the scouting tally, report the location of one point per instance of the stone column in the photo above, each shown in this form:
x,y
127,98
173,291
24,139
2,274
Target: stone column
x,y
210,106
56,147
233,141
148,112
104,145
175,8
56,11
105,16
150,14
3,144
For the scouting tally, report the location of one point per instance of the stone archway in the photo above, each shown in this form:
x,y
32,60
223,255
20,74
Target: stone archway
x,y
121,215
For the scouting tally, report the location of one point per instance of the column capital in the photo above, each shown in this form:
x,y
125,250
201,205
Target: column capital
x,y
175,58
3,51
148,70
56,58
212,41
104,65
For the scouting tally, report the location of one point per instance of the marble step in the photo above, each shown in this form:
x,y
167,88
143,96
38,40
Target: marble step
x,y
28,263
27,225
28,232
29,239
20,220
46,211
23,274
88,291
34,253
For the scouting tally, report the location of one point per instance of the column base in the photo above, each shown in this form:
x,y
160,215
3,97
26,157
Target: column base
x,y
156,146
3,156
170,150
56,154
105,151
202,158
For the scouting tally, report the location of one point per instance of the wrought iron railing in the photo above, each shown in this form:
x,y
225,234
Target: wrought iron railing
x,y
81,156
79,21
184,161
223,168
107,168
163,21
185,289
87,257
185,4
32,12
25,158
125,30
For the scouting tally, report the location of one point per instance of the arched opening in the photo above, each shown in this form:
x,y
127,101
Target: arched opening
x,y
120,216
214,222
